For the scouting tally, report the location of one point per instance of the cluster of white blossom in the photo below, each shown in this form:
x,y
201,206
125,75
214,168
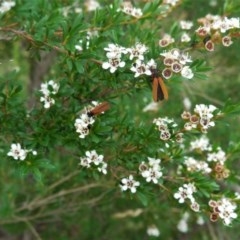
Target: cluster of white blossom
x,y
194,165
151,171
130,10
214,159
218,156
202,119
136,54
153,231
93,159
201,144
216,22
140,68
129,183
6,6
213,29
166,127
224,209
114,54
48,89
185,25
85,120
19,153
186,192
175,62
83,124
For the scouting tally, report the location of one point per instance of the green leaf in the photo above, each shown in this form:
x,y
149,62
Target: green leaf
x,y
231,108
79,66
142,198
37,175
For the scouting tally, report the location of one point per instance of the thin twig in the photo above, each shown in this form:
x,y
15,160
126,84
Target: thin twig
x,y
57,212
33,230
40,202
62,180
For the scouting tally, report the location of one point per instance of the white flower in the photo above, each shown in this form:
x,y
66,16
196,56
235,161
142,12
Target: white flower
x,y
152,106
47,101
49,87
234,23
152,174
130,10
206,115
187,72
94,157
190,187
166,40
153,231
237,195
79,48
113,64
188,126
83,131
34,152
187,103
171,2
103,168
140,68
44,89
17,152
174,54
92,5
185,38
181,195
84,120
195,206
6,6
165,135
182,224
226,210
152,64
137,12
85,162
204,110
54,87
153,162
227,41
200,144
185,192
137,51
184,58
115,51
186,25
163,123
194,165
200,220
83,124
129,183
219,156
